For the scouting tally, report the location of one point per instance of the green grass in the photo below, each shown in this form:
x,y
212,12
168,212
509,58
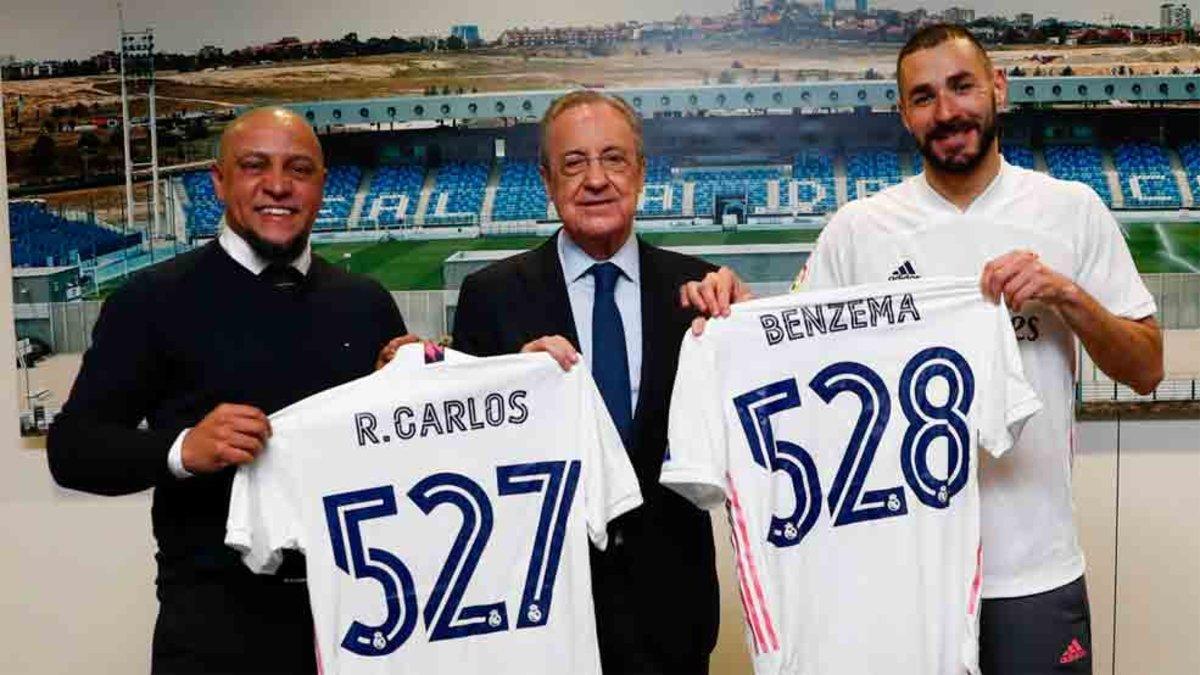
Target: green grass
x,y
1152,257
417,265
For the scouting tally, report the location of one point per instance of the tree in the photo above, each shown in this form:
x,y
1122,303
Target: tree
x,y
42,155
455,43
89,147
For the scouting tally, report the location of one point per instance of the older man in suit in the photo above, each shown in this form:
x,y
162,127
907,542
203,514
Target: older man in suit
x,y
597,292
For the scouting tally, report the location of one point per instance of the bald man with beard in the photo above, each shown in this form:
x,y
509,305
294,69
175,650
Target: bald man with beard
x,y
203,348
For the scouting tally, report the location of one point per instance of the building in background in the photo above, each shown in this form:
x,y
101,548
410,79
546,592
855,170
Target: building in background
x,y
1175,15
959,15
468,33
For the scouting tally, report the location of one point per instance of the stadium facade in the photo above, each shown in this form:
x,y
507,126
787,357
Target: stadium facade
x,y
767,155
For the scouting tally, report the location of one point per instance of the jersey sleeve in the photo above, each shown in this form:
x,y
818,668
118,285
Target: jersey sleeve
x,y
610,485
1105,268
1008,399
697,446
264,512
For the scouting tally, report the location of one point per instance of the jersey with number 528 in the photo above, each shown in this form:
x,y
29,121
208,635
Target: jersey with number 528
x,y
444,511
840,429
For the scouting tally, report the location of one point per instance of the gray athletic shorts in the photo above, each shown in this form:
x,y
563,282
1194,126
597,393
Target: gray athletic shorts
x,y
1048,633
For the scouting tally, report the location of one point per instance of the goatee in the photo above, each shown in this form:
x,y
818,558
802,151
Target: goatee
x,y
987,135
273,253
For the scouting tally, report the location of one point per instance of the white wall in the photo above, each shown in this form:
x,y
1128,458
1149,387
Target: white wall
x,y
76,572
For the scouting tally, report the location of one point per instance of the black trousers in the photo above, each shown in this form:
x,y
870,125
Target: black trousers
x,y
260,625
1048,632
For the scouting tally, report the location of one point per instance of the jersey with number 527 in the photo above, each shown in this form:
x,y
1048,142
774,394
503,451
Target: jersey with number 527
x,y
840,428
444,511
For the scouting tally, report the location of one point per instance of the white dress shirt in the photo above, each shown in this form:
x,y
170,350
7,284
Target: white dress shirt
x,y
581,290
247,257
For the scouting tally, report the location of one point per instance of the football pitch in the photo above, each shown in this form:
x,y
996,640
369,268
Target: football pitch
x,y
417,265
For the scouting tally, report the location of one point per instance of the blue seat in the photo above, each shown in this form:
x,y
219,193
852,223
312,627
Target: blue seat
x,y
41,238
1082,163
816,187
465,183
1018,155
871,170
393,195
521,194
1147,180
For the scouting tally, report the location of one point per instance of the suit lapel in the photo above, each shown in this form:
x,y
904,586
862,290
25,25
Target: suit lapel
x,y
546,304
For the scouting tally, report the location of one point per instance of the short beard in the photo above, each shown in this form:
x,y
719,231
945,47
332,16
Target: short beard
x,y
276,254
987,135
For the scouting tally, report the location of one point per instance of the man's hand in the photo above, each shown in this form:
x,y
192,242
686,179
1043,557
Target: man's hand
x,y
556,346
1020,276
230,434
389,350
713,295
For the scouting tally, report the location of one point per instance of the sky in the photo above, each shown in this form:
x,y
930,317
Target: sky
x,y
61,29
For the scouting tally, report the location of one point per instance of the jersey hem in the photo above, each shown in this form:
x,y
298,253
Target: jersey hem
x,y
681,478
1040,584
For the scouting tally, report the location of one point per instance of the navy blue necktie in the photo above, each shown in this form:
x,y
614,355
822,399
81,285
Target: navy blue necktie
x,y
610,360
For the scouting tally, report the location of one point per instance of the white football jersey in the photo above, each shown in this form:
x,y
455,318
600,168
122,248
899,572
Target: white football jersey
x,y
840,428
444,511
909,231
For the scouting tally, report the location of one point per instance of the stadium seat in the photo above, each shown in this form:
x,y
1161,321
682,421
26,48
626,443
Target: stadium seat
x,y
463,183
341,185
44,239
521,194
662,195
1189,155
750,182
871,170
1082,163
816,188
1147,180
393,195
1018,155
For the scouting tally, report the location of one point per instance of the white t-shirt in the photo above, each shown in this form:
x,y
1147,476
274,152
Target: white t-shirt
x,y
841,429
444,511
910,231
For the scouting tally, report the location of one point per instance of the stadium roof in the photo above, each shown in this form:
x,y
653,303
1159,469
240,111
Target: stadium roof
x,y
789,97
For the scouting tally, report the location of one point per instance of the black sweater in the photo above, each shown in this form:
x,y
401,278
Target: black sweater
x,y
179,339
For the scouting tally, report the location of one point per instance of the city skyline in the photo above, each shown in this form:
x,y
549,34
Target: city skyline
x,y
61,29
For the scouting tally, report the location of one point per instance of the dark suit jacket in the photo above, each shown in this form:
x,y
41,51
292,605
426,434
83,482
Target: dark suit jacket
x,y
655,588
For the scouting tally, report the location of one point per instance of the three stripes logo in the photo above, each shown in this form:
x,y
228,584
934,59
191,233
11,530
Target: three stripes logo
x,y
1073,653
904,271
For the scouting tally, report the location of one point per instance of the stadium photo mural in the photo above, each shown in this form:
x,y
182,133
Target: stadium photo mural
x,y
691,337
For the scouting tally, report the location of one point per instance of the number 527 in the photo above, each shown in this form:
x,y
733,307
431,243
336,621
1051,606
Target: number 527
x,y
444,616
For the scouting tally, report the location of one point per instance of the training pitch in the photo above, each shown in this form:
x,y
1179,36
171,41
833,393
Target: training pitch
x,y
417,265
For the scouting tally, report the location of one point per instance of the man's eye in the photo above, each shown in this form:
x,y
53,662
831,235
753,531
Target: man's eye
x,y
614,161
572,164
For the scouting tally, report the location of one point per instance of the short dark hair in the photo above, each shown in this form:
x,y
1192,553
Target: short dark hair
x,y
933,35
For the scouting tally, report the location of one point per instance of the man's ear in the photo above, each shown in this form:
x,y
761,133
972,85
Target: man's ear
x,y
1000,82
217,177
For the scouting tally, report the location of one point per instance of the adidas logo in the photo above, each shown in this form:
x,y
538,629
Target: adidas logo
x,y
1073,653
904,271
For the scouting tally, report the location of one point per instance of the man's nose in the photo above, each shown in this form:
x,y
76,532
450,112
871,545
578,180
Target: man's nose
x,y
594,178
277,183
